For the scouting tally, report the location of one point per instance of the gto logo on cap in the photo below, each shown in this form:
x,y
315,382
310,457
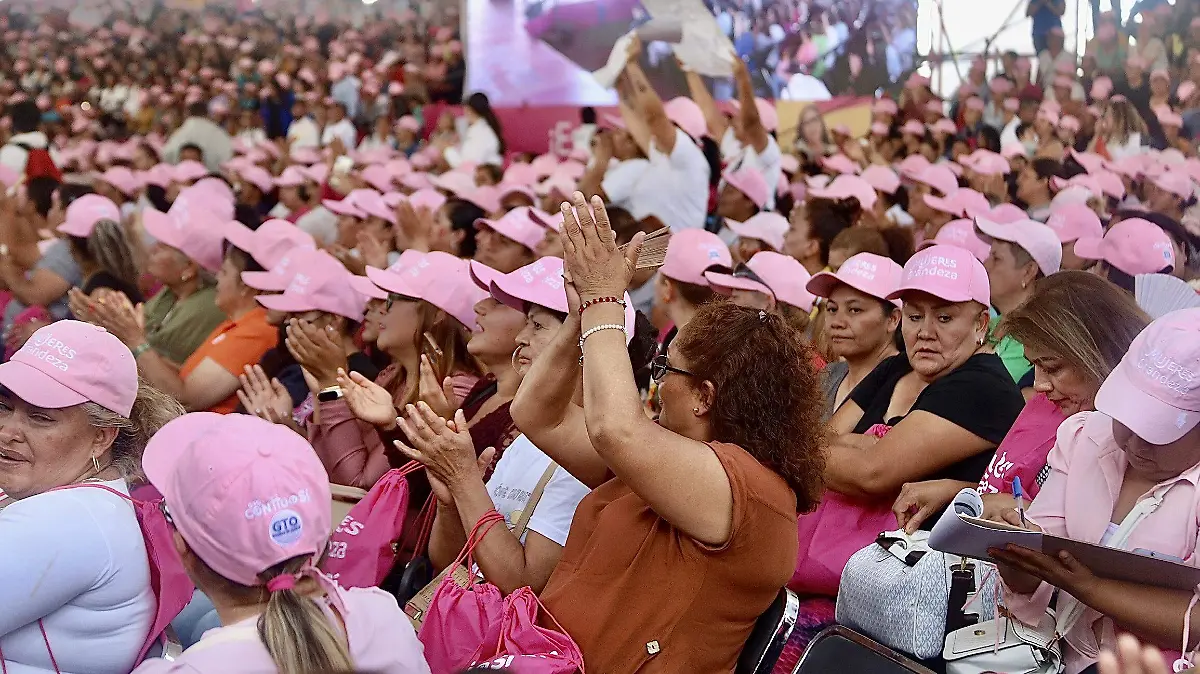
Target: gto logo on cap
x,y
286,528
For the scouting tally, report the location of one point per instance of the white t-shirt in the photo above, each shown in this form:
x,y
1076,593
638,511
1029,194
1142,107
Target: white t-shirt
x,y
480,145
303,132
516,476
344,130
621,179
75,559
769,163
674,187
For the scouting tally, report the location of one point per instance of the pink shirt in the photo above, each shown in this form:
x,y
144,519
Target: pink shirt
x,y
1023,451
380,636
1077,500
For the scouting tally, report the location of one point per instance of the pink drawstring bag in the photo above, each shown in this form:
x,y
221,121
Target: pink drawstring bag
x,y
461,619
837,529
362,549
525,647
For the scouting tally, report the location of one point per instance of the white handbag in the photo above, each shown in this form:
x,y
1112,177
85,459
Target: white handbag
x,y
897,591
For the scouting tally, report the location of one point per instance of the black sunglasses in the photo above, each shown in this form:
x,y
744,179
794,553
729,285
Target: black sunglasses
x,y
660,366
742,271
392,298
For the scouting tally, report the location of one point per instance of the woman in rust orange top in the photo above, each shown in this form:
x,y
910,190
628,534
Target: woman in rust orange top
x,y
670,562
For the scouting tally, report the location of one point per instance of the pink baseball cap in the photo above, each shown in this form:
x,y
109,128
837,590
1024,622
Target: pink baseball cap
x,y
913,127
378,177
345,206
69,363
322,284
1153,391
279,275
123,179
270,241
949,273
427,198
768,227
944,126
961,202
840,163
369,290
686,114
1071,222
83,214
770,273
245,494
371,204
881,178
486,197
292,176
1040,241
439,279
939,177
189,227
846,186
1135,246
454,182
518,225
868,273
540,282
988,163
750,182
187,171
961,233
912,166
1175,182
692,251
259,177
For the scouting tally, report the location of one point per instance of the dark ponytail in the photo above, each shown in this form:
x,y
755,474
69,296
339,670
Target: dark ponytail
x,y
480,105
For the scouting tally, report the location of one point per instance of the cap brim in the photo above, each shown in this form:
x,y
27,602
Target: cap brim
x,y
1090,248
728,282
37,388
339,208
289,304
264,280
158,225
483,275
989,231
1149,418
941,204
241,236
392,283
363,286
921,287
75,229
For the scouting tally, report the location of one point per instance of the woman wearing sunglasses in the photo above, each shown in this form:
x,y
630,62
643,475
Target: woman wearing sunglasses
x,y
674,557
769,281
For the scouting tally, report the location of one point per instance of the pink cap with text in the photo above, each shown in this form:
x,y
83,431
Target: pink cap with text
x,y
369,290
518,225
270,241
1154,391
692,251
69,363
83,214
869,273
245,494
1035,238
439,279
949,273
322,284
1135,246
1075,221
540,282
768,227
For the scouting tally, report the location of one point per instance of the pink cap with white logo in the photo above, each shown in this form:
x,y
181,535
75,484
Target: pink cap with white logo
x,y
439,279
868,273
518,225
270,241
948,273
369,290
69,363
1135,246
1155,390
768,227
539,283
691,252
322,284
1033,237
245,494
190,228
780,276
279,275
83,214
1075,221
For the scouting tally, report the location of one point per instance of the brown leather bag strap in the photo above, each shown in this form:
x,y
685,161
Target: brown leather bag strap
x,y
522,522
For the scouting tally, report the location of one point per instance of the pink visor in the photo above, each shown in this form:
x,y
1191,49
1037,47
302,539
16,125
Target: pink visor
x,y
1040,241
768,227
867,273
322,284
780,276
948,273
1135,246
1152,392
83,214
518,225
69,363
1075,221
439,279
244,493
270,241
691,252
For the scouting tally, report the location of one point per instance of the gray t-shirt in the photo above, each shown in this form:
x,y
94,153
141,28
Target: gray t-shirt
x,y
831,379
57,259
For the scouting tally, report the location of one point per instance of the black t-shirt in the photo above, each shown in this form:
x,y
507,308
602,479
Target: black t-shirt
x,y
980,397
103,279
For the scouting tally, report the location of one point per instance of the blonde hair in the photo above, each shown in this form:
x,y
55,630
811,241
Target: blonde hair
x,y
1126,121
152,409
109,247
297,633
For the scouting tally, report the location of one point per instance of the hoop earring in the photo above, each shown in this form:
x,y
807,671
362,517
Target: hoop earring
x,y
696,411
982,340
95,463
513,359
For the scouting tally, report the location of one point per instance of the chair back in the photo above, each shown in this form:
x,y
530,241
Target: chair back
x,y
770,635
839,649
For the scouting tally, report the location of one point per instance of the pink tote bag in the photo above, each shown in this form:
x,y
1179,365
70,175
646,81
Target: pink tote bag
x,y
362,549
525,647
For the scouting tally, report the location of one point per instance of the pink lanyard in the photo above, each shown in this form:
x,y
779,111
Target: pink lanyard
x,y
46,639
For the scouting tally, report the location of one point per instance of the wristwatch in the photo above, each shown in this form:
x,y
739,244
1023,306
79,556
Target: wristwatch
x,y
330,394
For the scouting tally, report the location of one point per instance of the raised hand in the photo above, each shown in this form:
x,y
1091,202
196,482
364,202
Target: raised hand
x,y
264,397
367,400
316,350
445,448
439,397
595,264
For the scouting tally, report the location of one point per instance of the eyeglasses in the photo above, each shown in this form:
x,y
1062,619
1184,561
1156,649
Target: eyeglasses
x,y
392,298
660,366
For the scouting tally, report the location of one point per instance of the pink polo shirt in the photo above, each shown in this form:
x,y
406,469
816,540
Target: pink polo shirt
x,y
1077,501
380,636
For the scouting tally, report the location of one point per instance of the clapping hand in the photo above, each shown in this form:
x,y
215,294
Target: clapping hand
x,y
316,350
439,397
414,229
263,397
114,312
1132,658
444,447
367,400
595,264
373,251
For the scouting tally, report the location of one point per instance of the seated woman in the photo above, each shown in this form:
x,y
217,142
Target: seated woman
x,y
860,323
769,281
1130,247
100,247
278,612
1123,476
1076,327
435,296
740,419
38,277
73,414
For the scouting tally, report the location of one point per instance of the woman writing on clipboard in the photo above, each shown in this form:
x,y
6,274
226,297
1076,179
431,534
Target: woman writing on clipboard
x,y
1124,476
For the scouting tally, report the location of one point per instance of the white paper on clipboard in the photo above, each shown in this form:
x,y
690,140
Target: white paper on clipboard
x,y
704,49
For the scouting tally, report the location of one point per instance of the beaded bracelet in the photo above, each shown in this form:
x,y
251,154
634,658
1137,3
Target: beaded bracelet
x,y
601,300
593,330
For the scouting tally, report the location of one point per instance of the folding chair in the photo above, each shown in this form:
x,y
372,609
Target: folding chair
x,y
344,499
770,635
838,649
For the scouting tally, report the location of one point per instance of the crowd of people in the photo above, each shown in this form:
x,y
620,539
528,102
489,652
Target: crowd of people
x,y
596,409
